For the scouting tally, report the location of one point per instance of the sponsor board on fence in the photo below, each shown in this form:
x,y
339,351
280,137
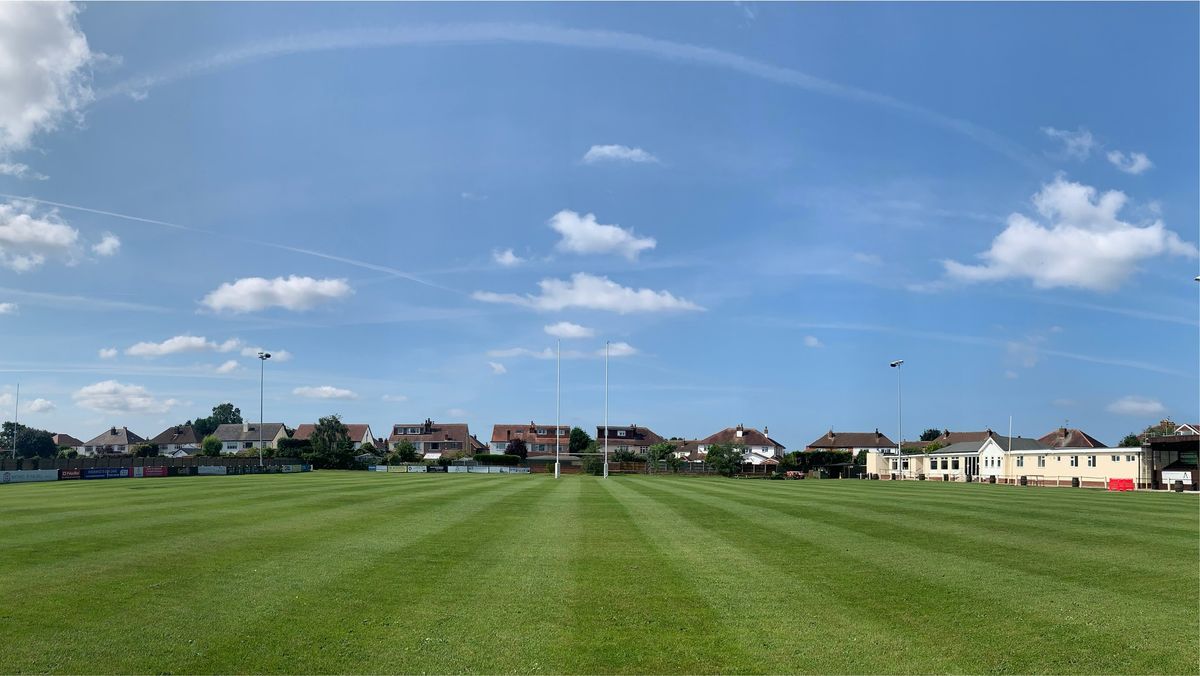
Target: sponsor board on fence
x,y
137,472
397,468
66,474
105,473
211,470
416,468
26,475
154,471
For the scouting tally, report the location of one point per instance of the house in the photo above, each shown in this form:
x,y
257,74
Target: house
x,y
177,441
539,439
1070,438
67,441
759,449
433,440
947,438
1187,429
687,450
853,442
477,446
628,438
113,441
360,433
245,435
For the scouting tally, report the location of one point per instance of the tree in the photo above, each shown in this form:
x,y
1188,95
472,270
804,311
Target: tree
x,y
579,441
211,446
1131,441
930,434
935,446
659,452
30,442
724,458
518,448
146,450
222,414
402,453
367,448
331,444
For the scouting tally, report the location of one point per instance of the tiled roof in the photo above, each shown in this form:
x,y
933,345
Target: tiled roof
x,y
947,437
431,431
246,431
634,435
528,432
1070,438
356,431
749,437
833,439
115,436
177,434
1018,444
61,439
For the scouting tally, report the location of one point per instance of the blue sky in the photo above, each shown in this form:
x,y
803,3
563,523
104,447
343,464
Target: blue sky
x,y
760,206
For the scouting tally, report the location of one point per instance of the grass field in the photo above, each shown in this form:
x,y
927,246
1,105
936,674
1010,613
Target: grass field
x,y
364,572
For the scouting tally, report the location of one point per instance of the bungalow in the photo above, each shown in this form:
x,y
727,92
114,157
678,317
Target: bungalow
x,y
1070,438
946,438
853,442
245,435
67,441
359,433
539,439
433,440
760,449
628,438
177,441
113,441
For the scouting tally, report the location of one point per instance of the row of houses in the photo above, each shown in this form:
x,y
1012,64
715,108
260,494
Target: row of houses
x,y
953,455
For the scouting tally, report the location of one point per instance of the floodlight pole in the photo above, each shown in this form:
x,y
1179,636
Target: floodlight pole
x,y
16,406
262,375
606,409
899,421
557,407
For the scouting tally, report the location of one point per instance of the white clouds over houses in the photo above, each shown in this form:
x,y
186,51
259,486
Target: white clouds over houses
x,y
44,70
1077,144
1133,163
180,344
583,235
591,292
295,293
617,153
1082,243
507,258
615,350
1136,406
27,238
110,396
40,405
324,392
568,330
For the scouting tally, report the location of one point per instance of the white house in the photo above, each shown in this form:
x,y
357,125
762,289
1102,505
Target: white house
x,y
360,434
759,449
245,435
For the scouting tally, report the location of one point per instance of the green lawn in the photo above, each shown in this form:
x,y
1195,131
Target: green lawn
x,y
364,572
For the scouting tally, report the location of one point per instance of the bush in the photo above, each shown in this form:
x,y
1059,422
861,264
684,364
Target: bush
x,y
146,450
211,446
486,459
293,447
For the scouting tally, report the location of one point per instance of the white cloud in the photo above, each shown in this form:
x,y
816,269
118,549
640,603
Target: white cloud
x,y
547,353
1077,144
40,405
44,70
176,345
812,341
26,238
473,196
615,350
497,368
1084,244
293,293
568,330
107,246
867,258
229,366
1010,375
22,171
110,396
618,349
8,308
6,400
276,355
617,153
1134,163
395,397
592,293
583,235
324,392
108,352
456,413
1134,405
507,258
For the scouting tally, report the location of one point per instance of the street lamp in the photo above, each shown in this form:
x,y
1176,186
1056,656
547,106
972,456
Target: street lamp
x,y
899,420
262,374
557,408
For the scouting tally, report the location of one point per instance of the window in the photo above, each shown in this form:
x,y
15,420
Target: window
x,y
231,446
1116,458
247,444
1130,458
1091,461
1041,461
541,431
1074,460
620,433
1020,461
954,463
500,445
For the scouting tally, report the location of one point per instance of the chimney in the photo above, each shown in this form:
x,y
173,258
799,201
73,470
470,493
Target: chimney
x,y
877,434
990,433
740,431
113,431
1062,432
245,426
765,431
508,434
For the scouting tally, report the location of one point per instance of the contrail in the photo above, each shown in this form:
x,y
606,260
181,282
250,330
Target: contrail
x,y
540,34
282,247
